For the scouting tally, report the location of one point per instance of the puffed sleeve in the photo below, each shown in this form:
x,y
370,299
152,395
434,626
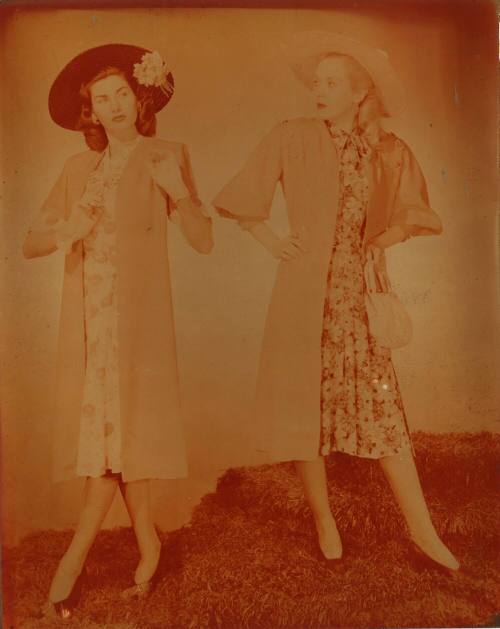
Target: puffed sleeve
x,y
412,209
247,198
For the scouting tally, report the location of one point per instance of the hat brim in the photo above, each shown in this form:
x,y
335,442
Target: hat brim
x,y
64,96
304,50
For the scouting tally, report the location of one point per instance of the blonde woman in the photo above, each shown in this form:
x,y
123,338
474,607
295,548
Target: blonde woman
x,y
117,417
351,188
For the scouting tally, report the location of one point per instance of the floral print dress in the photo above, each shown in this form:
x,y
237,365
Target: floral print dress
x,y
99,448
361,409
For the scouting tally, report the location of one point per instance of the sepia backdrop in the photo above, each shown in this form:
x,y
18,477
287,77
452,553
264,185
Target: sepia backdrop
x,y
232,86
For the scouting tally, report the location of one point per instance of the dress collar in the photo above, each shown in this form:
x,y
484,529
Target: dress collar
x,y
355,136
340,132
118,148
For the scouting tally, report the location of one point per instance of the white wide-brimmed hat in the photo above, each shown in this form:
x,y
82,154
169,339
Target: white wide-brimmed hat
x,y
305,49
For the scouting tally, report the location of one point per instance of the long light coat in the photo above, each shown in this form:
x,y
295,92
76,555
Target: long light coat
x,y
301,155
152,435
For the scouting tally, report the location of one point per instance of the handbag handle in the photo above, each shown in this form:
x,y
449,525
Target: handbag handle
x,y
372,281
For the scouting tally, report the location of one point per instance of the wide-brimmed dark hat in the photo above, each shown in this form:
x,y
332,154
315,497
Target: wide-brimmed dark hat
x,y
64,96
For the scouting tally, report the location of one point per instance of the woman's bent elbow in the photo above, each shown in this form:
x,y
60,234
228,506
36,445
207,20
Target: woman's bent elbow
x,y
205,246
29,251
34,247
204,241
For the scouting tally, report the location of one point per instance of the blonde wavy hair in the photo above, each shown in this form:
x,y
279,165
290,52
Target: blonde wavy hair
x,y
371,109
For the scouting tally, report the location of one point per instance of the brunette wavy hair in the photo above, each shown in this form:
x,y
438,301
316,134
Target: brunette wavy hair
x,y
371,109
95,135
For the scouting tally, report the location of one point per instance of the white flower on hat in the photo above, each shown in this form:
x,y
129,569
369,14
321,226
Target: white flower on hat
x,y
152,70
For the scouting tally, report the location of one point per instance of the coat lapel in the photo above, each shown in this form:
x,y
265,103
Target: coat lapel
x,y
80,176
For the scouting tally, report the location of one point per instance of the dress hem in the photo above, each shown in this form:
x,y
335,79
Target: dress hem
x,y
400,450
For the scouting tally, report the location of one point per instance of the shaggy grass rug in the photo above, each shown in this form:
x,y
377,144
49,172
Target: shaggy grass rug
x,y
249,558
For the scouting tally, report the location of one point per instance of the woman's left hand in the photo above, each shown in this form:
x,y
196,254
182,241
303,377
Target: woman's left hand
x,y
166,172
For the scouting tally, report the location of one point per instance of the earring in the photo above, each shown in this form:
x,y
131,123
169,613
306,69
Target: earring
x,y
95,120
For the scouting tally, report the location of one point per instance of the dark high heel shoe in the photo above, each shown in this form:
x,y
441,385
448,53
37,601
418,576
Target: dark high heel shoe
x,y
64,609
144,589
328,560
140,590
332,552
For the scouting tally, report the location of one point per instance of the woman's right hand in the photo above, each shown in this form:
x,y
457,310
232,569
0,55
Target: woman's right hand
x,y
289,248
78,226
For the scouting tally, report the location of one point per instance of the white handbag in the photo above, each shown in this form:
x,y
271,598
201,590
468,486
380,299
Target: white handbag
x,y
388,321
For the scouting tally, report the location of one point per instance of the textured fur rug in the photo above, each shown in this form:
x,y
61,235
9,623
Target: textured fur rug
x,y
249,557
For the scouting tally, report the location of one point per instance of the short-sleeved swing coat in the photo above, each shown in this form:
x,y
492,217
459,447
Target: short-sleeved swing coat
x,y
152,436
301,156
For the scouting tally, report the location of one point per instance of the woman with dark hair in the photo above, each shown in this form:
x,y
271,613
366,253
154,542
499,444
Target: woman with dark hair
x,y
352,190
117,416
95,134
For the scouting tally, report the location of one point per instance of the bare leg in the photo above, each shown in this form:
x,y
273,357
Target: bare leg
x,y
138,501
98,496
313,477
403,478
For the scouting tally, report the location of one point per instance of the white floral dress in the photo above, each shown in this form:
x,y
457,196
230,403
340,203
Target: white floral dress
x,y
361,409
99,448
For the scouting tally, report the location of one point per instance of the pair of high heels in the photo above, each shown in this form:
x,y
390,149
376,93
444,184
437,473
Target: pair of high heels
x,y
332,553
64,609
419,558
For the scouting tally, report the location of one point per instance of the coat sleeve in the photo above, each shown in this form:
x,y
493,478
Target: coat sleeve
x,y
189,180
54,208
247,198
411,208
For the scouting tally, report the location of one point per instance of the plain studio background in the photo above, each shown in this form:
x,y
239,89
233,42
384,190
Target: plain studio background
x,y
232,86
